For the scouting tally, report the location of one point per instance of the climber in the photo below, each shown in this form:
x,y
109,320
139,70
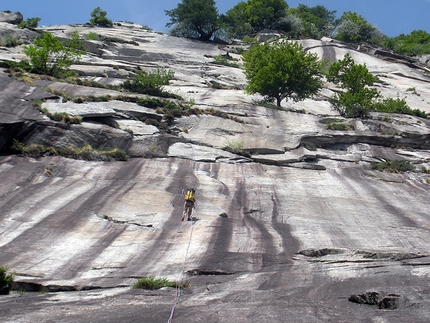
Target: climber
x,y
189,204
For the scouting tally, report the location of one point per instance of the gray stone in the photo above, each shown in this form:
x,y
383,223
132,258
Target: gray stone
x,y
11,17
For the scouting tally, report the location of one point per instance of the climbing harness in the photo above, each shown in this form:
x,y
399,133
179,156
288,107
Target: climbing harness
x,y
178,286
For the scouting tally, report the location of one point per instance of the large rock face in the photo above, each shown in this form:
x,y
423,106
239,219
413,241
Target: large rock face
x,y
291,225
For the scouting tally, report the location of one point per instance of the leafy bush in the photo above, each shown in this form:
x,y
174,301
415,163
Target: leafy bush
x,y
358,99
92,36
6,281
29,23
152,282
49,56
150,83
98,18
398,105
394,166
225,60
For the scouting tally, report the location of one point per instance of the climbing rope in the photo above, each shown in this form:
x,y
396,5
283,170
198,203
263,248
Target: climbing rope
x,y
178,286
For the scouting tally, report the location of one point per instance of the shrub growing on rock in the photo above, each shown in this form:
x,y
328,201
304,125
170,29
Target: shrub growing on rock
x,y
50,56
398,105
6,281
152,282
358,99
150,83
394,166
29,23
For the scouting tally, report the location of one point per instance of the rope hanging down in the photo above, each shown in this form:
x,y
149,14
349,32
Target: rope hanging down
x,y
178,286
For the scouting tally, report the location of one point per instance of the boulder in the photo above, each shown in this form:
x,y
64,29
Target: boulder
x,y
11,17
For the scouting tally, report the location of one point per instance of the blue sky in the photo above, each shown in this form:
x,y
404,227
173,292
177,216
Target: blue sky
x,y
392,17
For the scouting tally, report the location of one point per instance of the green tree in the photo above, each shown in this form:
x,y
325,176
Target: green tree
x,y
50,56
316,21
415,43
253,16
29,23
194,19
263,14
235,22
98,18
358,99
282,70
354,28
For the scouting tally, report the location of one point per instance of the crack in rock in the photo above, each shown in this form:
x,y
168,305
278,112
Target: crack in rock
x,y
365,256
110,219
204,272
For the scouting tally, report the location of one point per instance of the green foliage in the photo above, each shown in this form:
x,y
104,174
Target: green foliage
x,y
282,70
354,28
235,22
225,60
416,43
152,282
253,16
29,23
150,83
394,166
86,152
194,19
315,22
9,41
49,56
6,281
358,99
92,36
233,146
338,125
398,105
98,18
169,109
263,14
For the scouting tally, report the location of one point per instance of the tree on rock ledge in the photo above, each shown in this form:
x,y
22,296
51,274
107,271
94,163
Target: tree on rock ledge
x,y
282,70
194,19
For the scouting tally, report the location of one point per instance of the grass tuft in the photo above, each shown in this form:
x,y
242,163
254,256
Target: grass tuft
x,y
152,282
